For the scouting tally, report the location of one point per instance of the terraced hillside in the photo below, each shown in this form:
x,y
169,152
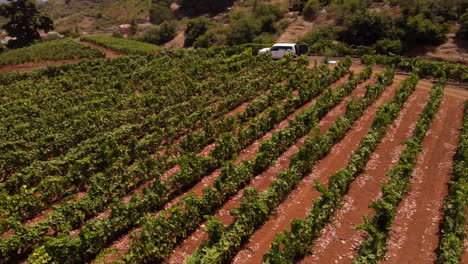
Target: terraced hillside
x,y
207,156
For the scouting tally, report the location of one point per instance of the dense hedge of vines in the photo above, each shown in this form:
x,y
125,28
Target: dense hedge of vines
x,y
423,67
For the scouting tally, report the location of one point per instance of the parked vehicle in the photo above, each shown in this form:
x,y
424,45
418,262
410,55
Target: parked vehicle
x,y
279,50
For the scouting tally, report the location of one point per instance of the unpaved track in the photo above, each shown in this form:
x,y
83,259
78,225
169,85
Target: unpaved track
x,y
260,182
414,236
109,53
31,66
34,65
339,242
299,203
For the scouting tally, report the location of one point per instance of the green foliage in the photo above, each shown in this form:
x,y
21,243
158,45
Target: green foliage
x,y
463,31
205,41
25,22
311,9
423,67
387,46
242,31
196,7
160,35
367,28
126,46
420,30
116,34
160,12
63,49
195,28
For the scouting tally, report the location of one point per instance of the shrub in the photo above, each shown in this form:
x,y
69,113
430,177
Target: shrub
x,y
160,12
284,24
195,28
311,9
463,31
265,38
387,46
205,41
116,34
367,28
243,31
420,30
160,35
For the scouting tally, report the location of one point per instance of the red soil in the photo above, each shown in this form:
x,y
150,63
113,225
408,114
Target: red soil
x,y
262,181
31,66
339,242
298,203
414,237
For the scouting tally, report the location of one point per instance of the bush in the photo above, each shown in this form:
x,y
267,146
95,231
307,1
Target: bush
x,y
116,34
284,24
387,46
243,31
311,9
196,7
195,28
160,12
329,33
160,35
265,38
261,10
205,41
367,28
420,31
463,31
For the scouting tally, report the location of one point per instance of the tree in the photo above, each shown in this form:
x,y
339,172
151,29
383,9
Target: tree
x,y
311,9
160,35
160,12
463,31
196,7
25,22
195,28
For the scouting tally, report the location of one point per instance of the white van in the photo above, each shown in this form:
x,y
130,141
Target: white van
x,y
279,50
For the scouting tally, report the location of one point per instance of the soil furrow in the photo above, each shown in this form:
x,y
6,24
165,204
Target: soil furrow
x,y
299,202
262,181
339,242
247,153
414,237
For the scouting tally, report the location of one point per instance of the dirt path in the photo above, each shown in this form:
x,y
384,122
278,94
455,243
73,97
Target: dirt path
x,y
31,66
34,65
260,182
295,30
414,237
109,53
299,202
339,242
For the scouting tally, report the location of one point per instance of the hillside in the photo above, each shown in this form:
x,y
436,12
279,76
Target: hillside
x,y
96,15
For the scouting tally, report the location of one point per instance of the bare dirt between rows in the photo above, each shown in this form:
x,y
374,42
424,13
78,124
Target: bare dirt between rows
x,y
260,182
339,242
299,202
415,232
